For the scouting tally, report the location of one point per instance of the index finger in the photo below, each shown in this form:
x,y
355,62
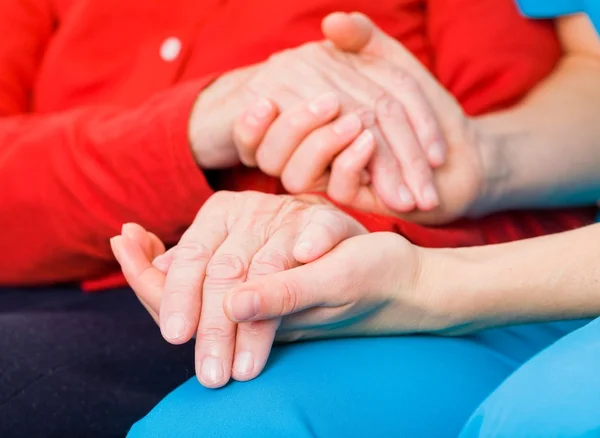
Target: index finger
x,y
181,301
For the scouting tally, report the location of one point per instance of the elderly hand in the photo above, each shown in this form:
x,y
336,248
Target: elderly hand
x,y
423,113
327,104
236,237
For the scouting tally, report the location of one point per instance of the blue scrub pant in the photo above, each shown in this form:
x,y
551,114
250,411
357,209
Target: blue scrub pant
x,y
496,382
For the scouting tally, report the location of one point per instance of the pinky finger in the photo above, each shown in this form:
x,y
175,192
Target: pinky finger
x,y
349,168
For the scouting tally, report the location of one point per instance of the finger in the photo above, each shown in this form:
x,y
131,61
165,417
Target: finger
x,y
333,280
250,128
312,158
163,261
290,129
156,245
355,32
182,298
215,338
387,178
146,281
347,33
349,168
254,339
327,227
419,111
398,132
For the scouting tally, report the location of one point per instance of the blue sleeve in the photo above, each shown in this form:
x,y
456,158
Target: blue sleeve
x,y
555,8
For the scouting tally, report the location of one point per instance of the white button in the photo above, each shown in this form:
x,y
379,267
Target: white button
x,y
170,49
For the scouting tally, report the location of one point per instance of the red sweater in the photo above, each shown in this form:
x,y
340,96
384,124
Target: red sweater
x,y
94,108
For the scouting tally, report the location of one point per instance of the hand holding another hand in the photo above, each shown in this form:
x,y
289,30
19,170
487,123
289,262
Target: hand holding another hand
x,y
238,271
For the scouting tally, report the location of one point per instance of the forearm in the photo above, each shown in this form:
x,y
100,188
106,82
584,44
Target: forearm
x,y
546,151
547,278
70,180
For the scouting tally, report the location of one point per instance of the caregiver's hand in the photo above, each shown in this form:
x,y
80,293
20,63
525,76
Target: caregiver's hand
x,y
462,180
235,237
374,284
312,85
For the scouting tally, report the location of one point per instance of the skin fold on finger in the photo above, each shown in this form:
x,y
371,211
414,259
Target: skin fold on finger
x,y
316,153
182,298
146,281
420,113
349,168
250,128
254,339
288,131
396,129
216,334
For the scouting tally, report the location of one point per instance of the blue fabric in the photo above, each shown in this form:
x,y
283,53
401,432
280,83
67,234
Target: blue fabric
x,y
555,8
413,386
556,394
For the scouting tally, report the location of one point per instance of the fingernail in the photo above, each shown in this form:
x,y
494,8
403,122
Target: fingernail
x,y
324,104
243,305
160,262
405,196
429,196
211,370
262,108
175,326
244,363
364,141
305,247
126,230
436,153
347,124
115,245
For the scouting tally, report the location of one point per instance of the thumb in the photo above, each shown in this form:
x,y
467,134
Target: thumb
x,y
281,294
355,32
333,280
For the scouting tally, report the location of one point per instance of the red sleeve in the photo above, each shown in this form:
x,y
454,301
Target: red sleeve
x,y
68,181
486,54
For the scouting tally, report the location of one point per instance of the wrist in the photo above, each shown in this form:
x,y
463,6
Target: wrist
x,y
446,284
497,170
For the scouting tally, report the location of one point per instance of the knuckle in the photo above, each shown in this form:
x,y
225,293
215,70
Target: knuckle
x,y
214,334
226,267
220,197
268,262
366,115
191,253
330,221
252,328
405,80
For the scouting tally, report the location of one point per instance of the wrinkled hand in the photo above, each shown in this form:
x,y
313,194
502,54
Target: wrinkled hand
x,y
236,237
327,104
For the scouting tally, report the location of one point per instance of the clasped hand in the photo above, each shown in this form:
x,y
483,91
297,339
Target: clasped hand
x,y
251,259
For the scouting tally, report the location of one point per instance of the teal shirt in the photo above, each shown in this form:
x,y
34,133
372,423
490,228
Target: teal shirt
x,y
555,8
